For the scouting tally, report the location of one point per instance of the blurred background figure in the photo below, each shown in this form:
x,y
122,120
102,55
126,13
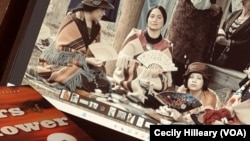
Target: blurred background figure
x,y
235,35
192,30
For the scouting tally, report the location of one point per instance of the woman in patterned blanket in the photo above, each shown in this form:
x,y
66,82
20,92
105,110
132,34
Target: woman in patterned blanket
x,y
68,63
140,81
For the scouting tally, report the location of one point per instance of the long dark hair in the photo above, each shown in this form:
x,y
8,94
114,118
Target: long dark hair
x,y
163,12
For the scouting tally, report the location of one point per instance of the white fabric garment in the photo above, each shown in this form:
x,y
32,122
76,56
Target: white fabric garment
x,y
201,4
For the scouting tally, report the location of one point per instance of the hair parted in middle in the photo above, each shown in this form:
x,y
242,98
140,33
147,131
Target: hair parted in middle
x,y
163,11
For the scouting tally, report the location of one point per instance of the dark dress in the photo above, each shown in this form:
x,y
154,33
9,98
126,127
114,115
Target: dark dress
x,y
193,33
239,54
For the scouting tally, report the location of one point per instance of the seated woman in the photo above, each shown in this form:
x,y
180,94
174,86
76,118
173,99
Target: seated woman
x,y
234,111
212,112
196,80
69,63
141,81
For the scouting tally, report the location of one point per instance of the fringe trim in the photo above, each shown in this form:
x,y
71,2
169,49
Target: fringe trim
x,y
74,82
53,56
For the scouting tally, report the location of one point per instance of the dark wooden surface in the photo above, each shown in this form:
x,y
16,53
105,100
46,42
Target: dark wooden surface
x,y
3,8
13,11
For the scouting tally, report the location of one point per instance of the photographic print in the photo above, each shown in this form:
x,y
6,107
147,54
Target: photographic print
x,y
117,54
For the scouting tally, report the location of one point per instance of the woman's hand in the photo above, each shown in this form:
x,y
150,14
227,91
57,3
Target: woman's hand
x,y
94,61
221,40
156,72
145,83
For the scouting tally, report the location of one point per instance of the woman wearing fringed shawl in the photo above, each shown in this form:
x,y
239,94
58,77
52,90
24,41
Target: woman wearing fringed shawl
x,y
140,81
69,63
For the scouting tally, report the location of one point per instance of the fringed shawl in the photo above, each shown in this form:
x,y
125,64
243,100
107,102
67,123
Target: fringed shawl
x,y
66,58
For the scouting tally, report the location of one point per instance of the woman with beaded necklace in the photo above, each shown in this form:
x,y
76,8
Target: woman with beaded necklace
x,y
235,34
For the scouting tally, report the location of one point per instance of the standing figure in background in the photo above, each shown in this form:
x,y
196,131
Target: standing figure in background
x,y
235,34
138,80
68,63
192,30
